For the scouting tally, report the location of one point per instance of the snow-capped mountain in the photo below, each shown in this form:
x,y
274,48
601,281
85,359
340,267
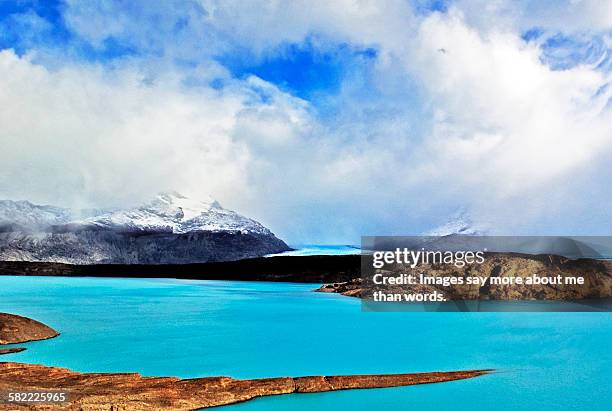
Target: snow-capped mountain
x,y
173,212
169,229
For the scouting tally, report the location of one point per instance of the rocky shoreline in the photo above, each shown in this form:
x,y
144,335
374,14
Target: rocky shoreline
x,y
133,392
352,288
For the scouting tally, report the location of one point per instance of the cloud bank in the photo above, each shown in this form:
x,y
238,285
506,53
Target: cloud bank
x,y
502,110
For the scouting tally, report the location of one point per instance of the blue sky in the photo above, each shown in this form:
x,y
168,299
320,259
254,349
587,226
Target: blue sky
x,y
301,68
306,68
324,121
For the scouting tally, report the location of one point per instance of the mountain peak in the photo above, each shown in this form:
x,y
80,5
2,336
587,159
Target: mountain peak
x,y
174,203
174,212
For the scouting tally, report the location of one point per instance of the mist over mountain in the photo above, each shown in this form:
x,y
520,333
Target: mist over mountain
x,y
461,222
171,228
25,215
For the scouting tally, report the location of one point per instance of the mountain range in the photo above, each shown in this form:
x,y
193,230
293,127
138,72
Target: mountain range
x,y
170,229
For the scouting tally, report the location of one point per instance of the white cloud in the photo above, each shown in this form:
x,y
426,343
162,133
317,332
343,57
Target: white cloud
x,y
510,132
454,112
554,15
504,116
86,134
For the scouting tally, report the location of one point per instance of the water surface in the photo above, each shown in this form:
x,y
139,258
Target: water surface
x,y
251,330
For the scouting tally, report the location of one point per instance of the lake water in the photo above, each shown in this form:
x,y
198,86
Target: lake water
x,y
249,330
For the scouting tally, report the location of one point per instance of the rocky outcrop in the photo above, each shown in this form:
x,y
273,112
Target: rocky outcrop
x,y
597,276
350,288
133,392
15,329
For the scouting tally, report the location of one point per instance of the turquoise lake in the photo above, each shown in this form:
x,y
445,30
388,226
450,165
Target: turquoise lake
x,y
250,330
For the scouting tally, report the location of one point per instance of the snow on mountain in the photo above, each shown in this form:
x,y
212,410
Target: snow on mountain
x,y
27,215
173,212
168,212
170,229
460,223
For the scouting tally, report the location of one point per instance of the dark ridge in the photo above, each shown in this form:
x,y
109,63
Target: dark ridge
x,y
299,269
11,350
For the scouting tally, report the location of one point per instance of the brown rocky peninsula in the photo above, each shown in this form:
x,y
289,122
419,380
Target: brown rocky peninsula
x,y
134,392
15,329
597,276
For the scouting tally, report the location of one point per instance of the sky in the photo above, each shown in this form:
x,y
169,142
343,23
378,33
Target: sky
x,y
323,120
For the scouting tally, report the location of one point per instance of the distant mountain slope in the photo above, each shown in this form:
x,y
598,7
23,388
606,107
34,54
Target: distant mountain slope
x,y
169,229
27,215
459,223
